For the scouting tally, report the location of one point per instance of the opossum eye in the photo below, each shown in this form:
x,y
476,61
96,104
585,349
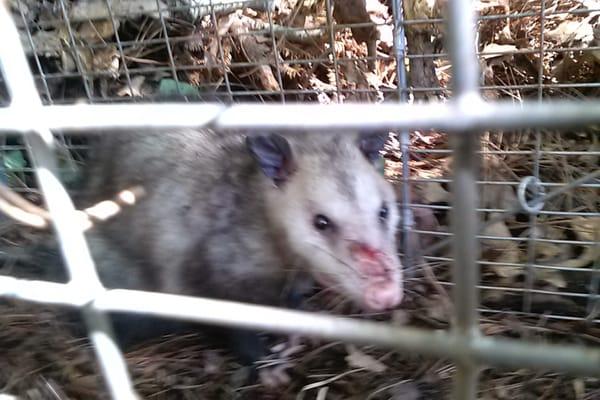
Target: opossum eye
x,y
383,213
322,223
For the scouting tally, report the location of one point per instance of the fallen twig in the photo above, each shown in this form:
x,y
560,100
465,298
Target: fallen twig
x,y
25,212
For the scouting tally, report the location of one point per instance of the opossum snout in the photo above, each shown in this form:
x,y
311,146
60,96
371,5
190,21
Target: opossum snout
x,y
383,295
381,277
371,261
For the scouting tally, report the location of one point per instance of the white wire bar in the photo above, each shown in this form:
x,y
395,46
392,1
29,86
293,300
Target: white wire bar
x,y
26,102
465,271
509,353
475,115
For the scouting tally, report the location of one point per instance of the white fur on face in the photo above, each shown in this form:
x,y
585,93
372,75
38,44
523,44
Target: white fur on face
x,y
353,208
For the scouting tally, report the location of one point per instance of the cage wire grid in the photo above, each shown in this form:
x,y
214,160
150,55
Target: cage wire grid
x,y
464,117
126,47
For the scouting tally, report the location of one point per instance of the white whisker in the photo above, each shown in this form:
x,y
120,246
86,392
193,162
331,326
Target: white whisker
x,y
329,253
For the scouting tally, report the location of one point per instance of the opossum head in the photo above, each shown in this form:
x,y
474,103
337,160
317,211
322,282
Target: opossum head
x,y
335,211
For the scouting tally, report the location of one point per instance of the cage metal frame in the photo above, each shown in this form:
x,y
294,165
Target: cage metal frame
x,y
464,116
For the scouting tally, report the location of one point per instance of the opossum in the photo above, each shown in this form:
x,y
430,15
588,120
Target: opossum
x,y
232,215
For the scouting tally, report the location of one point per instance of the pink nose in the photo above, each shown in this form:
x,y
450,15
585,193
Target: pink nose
x,y
363,250
371,262
383,295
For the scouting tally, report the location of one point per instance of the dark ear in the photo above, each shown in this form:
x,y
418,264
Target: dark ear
x,y
273,155
371,143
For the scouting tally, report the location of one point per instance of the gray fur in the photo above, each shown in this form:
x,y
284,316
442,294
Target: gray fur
x,y
189,233
203,226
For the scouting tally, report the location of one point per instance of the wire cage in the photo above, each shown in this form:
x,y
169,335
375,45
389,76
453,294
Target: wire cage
x,y
495,127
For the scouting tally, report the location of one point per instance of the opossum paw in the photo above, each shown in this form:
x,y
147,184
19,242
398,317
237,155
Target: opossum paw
x,y
274,377
288,348
267,367
273,373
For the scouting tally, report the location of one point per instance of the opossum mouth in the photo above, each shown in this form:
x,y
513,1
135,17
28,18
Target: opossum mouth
x,y
380,295
382,286
375,292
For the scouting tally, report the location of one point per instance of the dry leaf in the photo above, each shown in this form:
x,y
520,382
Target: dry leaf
x,y
498,197
554,278
424,220
579,388
548,252
358,359
586,229
355,12
255,49
322,393
493,49
493,328
379,15
96,9
570,30
433,192
592,160
46,43
596,42
483,5
437,308
201,8
136,87
587,258
96,31
422,9
107,61
501,251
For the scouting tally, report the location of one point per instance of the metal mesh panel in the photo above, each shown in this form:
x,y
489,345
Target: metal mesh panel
x,y
212,71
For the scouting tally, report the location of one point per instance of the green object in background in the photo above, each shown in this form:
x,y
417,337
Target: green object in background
x,y
13,163
380,165
168,87
69,171
12,168
13,160
3,178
